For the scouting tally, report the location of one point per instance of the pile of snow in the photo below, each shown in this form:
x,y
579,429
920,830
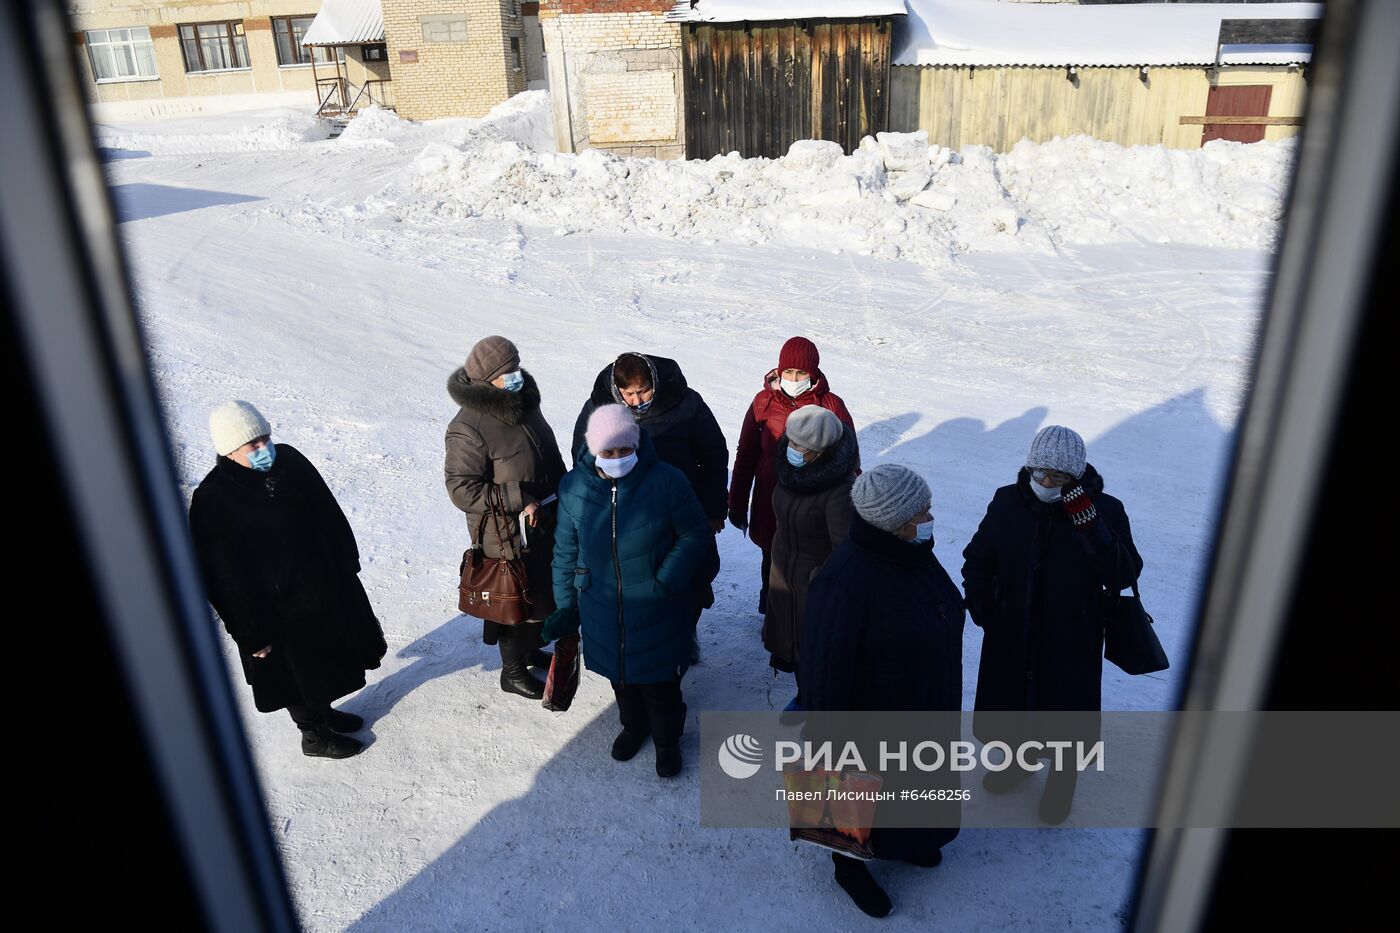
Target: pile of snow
x,y
1085,191
249,131
525,118
896,197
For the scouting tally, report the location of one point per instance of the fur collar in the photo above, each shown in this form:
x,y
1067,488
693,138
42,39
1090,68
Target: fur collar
x,y
832,467
483,397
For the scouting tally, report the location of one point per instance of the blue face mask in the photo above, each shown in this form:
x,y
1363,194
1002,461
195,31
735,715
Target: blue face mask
x,y
796,459
514,382
923,532
643,406
261,459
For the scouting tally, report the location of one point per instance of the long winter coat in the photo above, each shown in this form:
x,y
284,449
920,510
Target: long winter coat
x,y
812,512
280,567
681,425
764,424
626,555
883,631
1034,585
499,442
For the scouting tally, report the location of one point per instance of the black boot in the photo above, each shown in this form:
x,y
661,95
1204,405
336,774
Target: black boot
x,y
515,675
667,726
1058,796
517,679
855,879
668,760
341,721
323,743
628,743
1003,782
927,861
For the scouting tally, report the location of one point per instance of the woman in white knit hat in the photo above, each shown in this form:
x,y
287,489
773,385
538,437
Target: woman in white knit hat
x,y
280,566
1034,574
815,465
883,632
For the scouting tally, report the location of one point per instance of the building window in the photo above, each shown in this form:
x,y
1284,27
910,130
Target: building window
x,y
373,53
287,33
120,54
214,46
446,28
515,54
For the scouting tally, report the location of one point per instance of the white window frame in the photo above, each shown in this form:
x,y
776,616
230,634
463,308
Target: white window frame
x,y
133,43
442,24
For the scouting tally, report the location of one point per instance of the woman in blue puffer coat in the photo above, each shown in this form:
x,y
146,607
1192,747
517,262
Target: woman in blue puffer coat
x,y
630,542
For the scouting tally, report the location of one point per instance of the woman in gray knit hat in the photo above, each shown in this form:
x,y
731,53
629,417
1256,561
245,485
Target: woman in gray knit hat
x,y
1034,575
883,632
814,465
501,454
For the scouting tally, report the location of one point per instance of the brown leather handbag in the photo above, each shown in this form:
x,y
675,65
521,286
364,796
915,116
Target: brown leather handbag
x,y
495,589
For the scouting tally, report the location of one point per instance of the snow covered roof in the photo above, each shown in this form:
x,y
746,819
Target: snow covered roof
x,y
986,32
754,11
346,22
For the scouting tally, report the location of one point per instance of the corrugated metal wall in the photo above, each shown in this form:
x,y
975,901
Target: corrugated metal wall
x,y
998,107
756,89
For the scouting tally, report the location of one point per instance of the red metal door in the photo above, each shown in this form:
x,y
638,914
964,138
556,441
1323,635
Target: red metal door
x,y
1248,100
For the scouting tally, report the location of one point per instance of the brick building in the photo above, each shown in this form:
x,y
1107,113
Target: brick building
x,y
453,58
144,58
615,76
428,58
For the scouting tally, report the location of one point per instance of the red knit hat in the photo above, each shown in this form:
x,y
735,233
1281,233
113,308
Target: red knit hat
x,y
799,353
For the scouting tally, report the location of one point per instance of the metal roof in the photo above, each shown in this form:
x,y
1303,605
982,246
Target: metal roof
x,y
757,11
346,22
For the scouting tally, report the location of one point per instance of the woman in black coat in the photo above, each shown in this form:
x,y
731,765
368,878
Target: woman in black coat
x,y
280,566
685,434
1034,575
883,632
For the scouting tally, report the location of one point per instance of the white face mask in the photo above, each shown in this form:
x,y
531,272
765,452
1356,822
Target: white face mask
x,y
794,389
618,468
1043,494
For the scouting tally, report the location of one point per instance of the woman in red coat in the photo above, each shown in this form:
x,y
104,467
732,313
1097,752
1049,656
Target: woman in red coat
x,y
798,381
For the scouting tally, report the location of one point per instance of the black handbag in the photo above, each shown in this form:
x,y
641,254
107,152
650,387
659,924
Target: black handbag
x,y
1129,640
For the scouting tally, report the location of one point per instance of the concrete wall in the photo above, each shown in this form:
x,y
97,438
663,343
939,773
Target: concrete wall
x,y
998,107
615,76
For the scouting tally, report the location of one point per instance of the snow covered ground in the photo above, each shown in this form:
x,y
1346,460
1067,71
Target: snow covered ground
x,y
336,283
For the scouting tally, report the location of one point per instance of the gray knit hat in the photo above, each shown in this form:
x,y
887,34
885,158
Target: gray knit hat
x,y
889,495
234,424
814,428
492,357
1056,447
